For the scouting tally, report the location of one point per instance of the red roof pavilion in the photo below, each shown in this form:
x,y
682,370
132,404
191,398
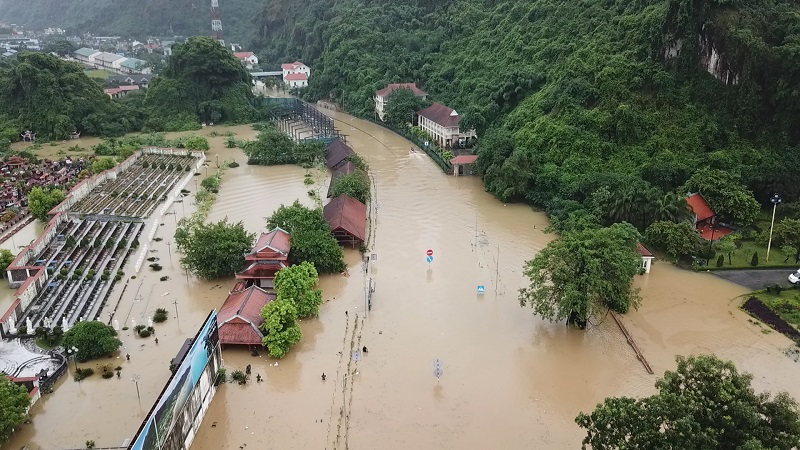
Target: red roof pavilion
x,y
239,318
700,207
347,218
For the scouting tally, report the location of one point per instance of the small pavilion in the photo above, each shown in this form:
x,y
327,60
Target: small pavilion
x,y
269,255
347,218
239,319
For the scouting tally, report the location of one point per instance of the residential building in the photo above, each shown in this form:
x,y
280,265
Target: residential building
x,y
85,55
382,95
109,61
296,80
296,68
121,91
249,59
133,65
442,124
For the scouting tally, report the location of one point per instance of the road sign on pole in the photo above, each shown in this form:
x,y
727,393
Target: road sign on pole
x,y
481,289
437,368
429,252
429,259
357,355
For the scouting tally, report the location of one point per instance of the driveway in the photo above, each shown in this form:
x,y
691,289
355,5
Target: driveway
x,y
756,279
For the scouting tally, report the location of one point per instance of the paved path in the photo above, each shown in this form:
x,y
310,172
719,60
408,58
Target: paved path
x,y
756,279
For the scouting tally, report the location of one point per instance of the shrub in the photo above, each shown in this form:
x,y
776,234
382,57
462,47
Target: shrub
x,y
774,289
144,333
221,376
83,373
161,315
754,259
108,375
239,377
138,328
156,267
720,260
233,164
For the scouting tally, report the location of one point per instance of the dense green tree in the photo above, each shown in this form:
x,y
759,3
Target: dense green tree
x,y
297,283
274,147
401,104
727,246
312,240
281,330
93,339
102,164
41,201
355,185
202,82
677,239
787,233
6,258
59,46
14,402
582,271
705,403
214,250
725,194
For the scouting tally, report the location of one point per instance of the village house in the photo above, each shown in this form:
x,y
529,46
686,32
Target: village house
x,y
121,91
86,55
296,74
133,65
442,124
141,80
382,96
647,257
249,59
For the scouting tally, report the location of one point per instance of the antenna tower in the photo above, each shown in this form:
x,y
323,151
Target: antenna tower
x,y
216,22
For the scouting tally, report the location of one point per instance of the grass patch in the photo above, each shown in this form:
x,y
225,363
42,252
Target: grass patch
x,y
98,73
741,259
786,305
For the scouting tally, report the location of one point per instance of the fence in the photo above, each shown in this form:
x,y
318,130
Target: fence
x,y
431,150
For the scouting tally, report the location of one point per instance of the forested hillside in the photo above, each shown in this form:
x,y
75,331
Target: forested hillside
x,y
134,18
620,100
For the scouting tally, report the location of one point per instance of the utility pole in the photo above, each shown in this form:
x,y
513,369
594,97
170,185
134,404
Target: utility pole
x,y
497,271
776,199
175,302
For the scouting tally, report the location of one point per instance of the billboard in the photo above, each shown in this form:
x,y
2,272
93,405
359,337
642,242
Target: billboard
x,y
173,421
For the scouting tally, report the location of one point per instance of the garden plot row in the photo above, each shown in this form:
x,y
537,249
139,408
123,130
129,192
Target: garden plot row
x,y
137,191
81,269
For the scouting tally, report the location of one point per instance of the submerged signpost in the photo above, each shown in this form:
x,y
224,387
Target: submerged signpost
x,y
429,258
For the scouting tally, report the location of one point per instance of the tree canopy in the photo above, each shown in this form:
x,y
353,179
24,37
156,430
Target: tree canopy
x,y
705,403
401,104
725,194
281,330
355,185
41,201
312,240
298,283
214,250
93,339
14,402
787,233
677,239
582,272
274,147
6,258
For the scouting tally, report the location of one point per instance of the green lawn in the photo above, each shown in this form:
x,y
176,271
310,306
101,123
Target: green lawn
x,y
744,255
99,73
786,305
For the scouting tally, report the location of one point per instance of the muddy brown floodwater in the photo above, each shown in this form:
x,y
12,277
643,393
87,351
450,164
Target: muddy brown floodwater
x,y
509,379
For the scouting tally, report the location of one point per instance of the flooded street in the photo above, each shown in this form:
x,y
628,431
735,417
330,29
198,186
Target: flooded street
x,y
510,380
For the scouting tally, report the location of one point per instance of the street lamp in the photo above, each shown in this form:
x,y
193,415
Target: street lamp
x,y
136,379
73,351
348,376
775,199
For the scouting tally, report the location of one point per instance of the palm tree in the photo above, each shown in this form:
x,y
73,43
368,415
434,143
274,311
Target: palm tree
x,y
672,207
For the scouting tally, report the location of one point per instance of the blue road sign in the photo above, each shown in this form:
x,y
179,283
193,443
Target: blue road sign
x,y
429,259
357,355
481,289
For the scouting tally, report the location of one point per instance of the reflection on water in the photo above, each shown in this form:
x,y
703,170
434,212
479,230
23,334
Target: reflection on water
x,y
509,379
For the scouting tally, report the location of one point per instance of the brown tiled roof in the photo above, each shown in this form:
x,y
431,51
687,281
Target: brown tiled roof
x,y
412,86
441,114
643,250
272,244
297,76
347,214
260,270
346,169
338,151
240,316
464,159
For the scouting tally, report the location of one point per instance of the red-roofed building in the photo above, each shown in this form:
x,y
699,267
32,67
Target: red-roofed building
x,y
293,69
462,164
249,59
337,154
296,80
239,319
269,255
347,218
705,220
121,91
647,257
442,123
382,96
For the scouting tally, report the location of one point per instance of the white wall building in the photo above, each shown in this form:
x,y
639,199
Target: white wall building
x,y
442,123
249,59
295,68
382,95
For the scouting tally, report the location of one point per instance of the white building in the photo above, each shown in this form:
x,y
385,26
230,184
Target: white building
x,y
382,95
442,123
295,68
296,80
647,257
249,59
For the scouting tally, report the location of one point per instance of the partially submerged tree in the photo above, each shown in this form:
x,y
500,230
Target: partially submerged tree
x,y
312,240
41,201
355,185
677,239
14,402
297,284
583,271
93,339
6,258
705,404
401,104
281,330
214,250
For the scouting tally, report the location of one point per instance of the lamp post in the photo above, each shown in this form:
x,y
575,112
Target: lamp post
x,y
775,199
349,376
136,379
73,351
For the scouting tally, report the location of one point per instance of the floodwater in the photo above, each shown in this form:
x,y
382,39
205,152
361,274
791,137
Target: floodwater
x,y
509,379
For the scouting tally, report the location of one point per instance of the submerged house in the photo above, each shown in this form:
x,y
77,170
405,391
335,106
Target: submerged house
x,y
347,218
239,319
270,255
